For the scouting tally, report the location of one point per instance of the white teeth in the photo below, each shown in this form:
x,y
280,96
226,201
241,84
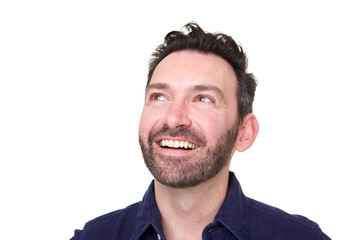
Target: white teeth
x,y
177,144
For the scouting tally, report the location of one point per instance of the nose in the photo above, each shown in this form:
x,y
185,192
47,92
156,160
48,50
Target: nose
x,y
177,115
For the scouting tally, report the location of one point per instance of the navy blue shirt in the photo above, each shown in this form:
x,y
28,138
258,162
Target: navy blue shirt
x,y
239,217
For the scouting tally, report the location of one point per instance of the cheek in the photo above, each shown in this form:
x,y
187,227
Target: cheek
x,y
148,121
210,126
144,125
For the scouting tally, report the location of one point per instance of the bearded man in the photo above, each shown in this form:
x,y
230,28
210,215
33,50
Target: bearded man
x,y
197,113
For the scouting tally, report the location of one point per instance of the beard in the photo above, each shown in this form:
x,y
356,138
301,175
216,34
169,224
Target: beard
x,y
193,168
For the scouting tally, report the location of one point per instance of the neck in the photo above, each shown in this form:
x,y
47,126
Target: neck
x,y
186,212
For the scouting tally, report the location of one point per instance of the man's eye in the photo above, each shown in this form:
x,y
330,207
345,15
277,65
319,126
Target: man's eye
x,y
204,99
157,97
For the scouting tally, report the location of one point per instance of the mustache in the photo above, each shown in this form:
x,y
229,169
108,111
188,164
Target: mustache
x,y
181,132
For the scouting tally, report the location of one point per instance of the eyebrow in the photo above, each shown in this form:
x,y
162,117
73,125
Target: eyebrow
x,y
196,88
160,86
200,88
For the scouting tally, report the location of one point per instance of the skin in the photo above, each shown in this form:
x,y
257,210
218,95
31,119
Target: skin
x,y
197,91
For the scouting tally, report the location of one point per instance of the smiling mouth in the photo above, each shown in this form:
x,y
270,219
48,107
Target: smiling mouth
x,y
167,143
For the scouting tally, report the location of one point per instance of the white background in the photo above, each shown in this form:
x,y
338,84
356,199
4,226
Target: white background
x,y
72,80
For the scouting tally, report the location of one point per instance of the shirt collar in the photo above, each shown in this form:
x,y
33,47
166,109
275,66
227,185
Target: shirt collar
x,y
233,213
148,214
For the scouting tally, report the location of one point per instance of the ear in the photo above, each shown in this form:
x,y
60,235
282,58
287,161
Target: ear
x,y
247,133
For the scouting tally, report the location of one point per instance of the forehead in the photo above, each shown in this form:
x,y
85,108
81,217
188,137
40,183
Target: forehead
x,y
187,68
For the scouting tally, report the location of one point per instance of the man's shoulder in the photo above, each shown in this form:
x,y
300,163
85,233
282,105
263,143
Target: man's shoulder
x,y
110,225
268,212
115,219
127,213
270,221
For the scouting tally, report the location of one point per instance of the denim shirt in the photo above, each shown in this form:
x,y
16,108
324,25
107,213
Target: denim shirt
x,y
239,217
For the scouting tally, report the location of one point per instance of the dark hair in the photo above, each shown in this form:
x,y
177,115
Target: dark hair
x,y
220,44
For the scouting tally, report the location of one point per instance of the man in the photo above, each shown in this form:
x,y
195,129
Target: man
x,y
197,113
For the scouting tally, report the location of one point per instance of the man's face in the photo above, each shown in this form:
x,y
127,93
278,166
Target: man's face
x,y
189,123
